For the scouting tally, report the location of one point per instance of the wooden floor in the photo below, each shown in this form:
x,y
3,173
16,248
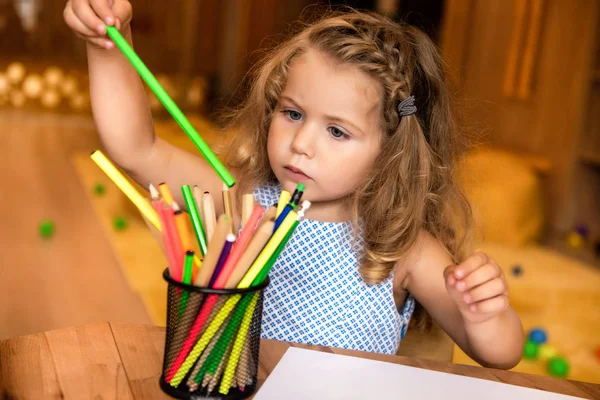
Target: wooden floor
x,y
74,278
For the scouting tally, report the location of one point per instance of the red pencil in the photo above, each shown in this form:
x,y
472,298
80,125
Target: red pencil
x,y
239,247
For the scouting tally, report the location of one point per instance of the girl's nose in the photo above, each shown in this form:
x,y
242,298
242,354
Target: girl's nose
x,y
303,142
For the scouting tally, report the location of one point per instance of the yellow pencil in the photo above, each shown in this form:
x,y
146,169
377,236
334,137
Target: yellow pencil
x,y
268,251
284,198
126,187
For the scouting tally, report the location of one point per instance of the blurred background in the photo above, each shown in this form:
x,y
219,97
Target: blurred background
x,y
526,74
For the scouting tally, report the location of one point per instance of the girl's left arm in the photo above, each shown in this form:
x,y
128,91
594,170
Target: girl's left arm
x,y
469,301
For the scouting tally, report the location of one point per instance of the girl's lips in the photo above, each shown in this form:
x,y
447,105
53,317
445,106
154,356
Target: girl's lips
x,y
296,173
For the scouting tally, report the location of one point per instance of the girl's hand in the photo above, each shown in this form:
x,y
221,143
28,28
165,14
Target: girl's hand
x,y
478,287
88,19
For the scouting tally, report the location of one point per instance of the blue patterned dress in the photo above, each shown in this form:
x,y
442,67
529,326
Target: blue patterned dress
x,y
317,296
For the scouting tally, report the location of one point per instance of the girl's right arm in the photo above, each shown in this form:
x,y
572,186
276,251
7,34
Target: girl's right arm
x,y
120,106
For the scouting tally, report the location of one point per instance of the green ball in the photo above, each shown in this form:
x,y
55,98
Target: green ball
x,y
120,223
530,351
558,366
46,229
99,189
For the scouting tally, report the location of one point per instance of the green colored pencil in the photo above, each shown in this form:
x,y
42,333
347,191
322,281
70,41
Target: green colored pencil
x,y
187,279
190,202
169,104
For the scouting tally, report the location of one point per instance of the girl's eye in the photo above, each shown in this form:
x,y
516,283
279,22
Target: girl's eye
x,y
293,115
338,133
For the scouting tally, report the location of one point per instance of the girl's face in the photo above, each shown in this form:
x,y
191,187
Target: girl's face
x,y
325,132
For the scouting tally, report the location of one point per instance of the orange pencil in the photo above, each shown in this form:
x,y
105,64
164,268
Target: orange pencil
x,y
182,228
173,237
165,192
214,251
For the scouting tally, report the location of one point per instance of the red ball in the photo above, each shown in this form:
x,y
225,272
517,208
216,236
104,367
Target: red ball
x,y
598,353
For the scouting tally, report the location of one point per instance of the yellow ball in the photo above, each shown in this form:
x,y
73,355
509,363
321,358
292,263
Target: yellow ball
x,y
53,76
50,99
32,86
15,72
68,86
79,102
575,240
546,352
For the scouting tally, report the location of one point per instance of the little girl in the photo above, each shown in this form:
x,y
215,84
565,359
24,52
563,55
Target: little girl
x,y
354,107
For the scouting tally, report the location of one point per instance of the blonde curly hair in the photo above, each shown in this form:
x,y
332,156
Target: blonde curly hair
x,y
412,185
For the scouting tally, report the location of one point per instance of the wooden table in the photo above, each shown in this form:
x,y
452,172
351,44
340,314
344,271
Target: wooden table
x,y
123,361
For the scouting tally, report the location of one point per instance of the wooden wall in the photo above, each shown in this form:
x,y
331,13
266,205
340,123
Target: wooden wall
x,y
523,68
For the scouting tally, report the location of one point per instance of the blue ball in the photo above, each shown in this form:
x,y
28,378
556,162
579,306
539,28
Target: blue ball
x,y
538,336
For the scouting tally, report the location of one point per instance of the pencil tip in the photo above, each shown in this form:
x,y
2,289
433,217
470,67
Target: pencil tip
x,y
153,191
175,206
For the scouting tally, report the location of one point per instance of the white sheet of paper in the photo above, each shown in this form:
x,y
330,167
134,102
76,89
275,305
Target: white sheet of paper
x,y
306,374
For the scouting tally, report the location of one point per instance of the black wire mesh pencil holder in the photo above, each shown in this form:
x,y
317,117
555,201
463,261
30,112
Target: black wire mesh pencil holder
x,y
212,341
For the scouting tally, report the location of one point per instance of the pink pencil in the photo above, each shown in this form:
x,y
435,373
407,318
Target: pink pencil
x,y
239,247
173,235
159,206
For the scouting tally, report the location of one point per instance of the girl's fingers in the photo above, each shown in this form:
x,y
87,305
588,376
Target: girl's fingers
x,y
470,265
488,290
449,275
96,41
85,14
122,11
76,24
494,305
481,275
103,11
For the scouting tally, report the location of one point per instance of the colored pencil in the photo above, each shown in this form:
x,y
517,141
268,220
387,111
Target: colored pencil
x,y
214,251
229,240
257,243
195,217
210,221
126,187
169,104
239,247
269,249
228,206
